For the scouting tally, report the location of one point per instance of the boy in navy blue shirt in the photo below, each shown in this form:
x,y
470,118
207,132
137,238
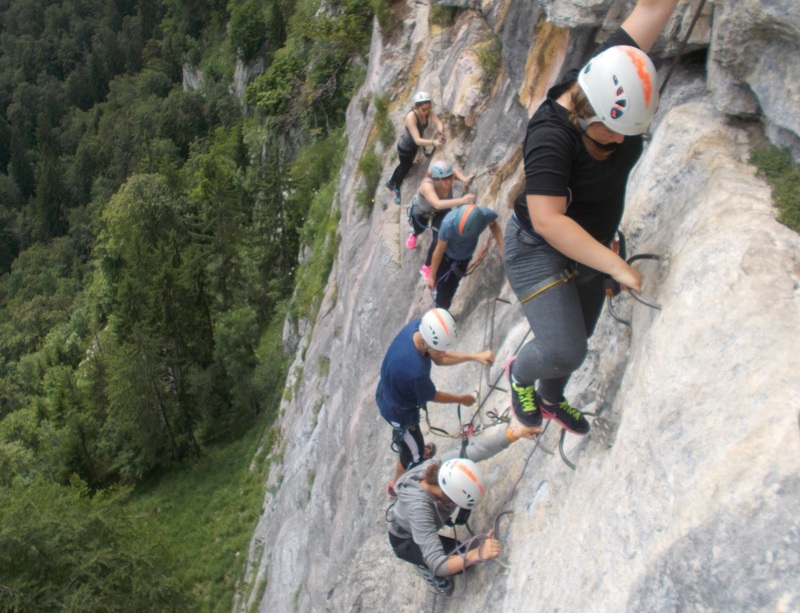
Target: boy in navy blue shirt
x,y
405,385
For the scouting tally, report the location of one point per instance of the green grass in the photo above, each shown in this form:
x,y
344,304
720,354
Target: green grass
x,y
382,120
312,474
324,365
296,596
782,173
209,509
370,167
321,233
317,408
443,16
382,11
490,57
259,591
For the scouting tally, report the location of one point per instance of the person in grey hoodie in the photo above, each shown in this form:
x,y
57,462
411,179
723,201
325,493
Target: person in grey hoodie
x,y
429,493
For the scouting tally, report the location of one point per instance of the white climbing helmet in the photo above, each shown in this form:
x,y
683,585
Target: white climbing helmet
x,y
622,86
421,98
441,169
438,329
462,481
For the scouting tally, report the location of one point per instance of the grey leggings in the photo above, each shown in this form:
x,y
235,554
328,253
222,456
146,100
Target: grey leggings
x,y
562,318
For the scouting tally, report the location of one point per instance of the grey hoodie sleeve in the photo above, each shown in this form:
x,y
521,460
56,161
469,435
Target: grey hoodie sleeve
x,y
483,447
425,524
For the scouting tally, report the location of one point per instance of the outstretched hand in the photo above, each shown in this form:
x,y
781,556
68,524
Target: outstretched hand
x,y
485,357
517,430
469,399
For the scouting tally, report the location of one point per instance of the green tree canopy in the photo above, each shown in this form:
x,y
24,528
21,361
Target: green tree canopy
x,y
63,549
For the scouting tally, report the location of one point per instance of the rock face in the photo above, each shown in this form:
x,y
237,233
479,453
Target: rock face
x,y
694,507
753,64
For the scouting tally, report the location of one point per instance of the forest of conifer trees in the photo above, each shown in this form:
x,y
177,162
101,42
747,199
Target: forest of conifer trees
x,y
149,235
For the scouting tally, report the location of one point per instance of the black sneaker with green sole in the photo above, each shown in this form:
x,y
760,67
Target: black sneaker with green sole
x,y
568,417
523,400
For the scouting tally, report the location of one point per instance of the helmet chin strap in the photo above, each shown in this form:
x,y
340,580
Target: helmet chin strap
x,y
585,123
609,147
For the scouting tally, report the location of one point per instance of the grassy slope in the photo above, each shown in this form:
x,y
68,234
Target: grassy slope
x,y
209,509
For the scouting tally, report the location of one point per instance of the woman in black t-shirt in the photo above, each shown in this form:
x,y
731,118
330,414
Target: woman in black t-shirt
x,y
580,146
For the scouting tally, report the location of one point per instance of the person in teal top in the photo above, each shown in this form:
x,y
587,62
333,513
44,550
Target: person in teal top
x,y
458,238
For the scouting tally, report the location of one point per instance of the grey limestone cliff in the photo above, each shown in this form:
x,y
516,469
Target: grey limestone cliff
x,y
694,506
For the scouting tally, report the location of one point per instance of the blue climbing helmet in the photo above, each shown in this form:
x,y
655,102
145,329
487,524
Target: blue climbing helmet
x,y
469,220
441,170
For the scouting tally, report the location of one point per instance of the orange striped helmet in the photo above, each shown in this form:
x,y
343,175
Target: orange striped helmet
x,y
622,86
438,329
462,481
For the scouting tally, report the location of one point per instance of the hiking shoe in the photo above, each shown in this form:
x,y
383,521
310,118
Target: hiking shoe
x,y
567,417
411,241
425,271
389,184
390,491
437,585
429,451
396,192
523,400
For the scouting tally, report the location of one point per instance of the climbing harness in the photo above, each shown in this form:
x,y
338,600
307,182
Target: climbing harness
x,y
565,276
419,217
611,287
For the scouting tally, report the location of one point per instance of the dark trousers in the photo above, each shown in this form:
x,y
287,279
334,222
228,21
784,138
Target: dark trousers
x,y
406,162
408,550
447,279
420,224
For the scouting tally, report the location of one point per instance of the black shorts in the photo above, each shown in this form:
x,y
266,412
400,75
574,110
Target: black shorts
x,y
408,442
